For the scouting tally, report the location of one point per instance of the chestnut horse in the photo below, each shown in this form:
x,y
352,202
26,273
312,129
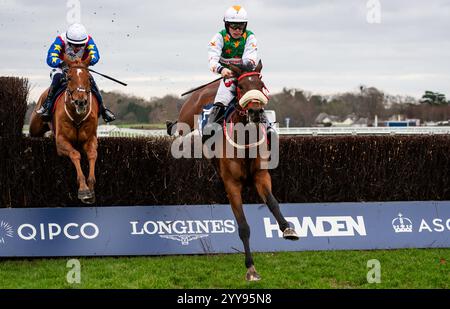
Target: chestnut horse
x,y
236,171
74,124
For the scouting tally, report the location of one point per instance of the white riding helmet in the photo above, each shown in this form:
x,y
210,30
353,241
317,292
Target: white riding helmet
x,y
76,34
236,14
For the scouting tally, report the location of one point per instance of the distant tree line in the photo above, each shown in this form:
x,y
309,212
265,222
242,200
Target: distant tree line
x,y
301,107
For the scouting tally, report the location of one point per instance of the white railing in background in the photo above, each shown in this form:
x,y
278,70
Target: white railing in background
x,y
364,131
114,131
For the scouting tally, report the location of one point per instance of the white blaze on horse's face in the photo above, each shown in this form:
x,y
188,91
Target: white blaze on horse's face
x,y
78,89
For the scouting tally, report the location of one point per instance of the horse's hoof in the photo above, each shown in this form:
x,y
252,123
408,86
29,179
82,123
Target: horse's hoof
x,y
290,234
86,196
252,275
89,200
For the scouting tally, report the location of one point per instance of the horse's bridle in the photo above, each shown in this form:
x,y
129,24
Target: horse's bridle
x,y
243,112
69,94
264,89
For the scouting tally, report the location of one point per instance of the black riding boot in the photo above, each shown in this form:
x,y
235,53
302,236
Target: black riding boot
x,y
265,120
271,132
216,115
45,111
107,115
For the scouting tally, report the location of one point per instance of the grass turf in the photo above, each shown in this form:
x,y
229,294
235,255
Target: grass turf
x,y
406,268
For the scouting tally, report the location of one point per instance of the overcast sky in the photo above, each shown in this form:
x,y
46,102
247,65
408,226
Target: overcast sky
x,y
160,47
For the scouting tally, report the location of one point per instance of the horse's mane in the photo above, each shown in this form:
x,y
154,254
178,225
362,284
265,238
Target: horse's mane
x,y
247,67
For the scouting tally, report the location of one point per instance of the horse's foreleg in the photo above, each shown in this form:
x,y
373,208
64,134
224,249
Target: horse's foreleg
x,y
233,189
263,185
90,147
64,148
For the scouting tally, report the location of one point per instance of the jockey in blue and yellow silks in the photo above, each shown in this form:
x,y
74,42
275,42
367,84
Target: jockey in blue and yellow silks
x,y
77,44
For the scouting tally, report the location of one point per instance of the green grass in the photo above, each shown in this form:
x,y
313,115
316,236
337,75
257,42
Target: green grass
x,y
408,268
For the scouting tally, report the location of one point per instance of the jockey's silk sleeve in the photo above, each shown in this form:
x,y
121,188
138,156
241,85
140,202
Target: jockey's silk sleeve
x,y
251,51
93,51
54,53
214,52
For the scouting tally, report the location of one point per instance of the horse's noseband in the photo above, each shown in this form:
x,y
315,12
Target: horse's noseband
x,y
264,91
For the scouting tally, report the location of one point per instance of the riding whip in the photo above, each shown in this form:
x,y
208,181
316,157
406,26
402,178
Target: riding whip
x,y
200,87
108,77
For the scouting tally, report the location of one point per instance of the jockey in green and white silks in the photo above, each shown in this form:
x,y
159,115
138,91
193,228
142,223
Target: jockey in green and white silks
x,y
236,45
233,45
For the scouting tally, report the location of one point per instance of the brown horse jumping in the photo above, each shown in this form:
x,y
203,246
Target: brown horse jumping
x,y
74,124
235,171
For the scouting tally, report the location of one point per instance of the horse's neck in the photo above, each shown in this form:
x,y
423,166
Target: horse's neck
x,y
238,118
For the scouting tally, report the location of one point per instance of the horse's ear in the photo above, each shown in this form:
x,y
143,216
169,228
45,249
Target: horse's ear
x,y
236,70
259,66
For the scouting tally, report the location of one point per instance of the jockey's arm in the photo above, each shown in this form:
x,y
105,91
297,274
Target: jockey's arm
x,y
54,53
214,52
250,55
93,51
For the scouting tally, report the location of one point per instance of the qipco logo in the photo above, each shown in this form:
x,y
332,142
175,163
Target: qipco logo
x,y
50,231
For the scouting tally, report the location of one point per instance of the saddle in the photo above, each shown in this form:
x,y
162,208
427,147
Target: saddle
x,y
58,93
203,120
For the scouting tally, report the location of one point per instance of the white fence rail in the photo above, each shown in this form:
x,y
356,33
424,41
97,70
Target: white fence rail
x,y
114,131
364,131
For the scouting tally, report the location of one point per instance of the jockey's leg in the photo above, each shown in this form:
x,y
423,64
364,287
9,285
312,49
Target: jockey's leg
x,y
45,111
225,94
107,115
271,132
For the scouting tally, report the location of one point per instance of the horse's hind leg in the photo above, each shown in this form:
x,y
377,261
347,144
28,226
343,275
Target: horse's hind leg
x,y
233,189
263,185
37,126
90,147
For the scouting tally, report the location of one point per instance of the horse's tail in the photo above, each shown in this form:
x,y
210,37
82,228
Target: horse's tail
x,y
170,127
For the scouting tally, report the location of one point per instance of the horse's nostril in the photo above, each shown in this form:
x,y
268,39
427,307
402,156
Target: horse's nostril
x,y
80,103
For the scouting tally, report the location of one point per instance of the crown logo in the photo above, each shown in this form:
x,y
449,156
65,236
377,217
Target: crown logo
x,y
402,224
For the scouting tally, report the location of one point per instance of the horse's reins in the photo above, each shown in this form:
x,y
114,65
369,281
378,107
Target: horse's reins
x,y
79,89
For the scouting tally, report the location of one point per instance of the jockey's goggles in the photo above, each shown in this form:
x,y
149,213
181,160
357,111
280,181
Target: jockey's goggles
x,y
236,26
77,45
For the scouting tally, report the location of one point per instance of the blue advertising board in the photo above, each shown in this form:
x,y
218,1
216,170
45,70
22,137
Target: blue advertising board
x,y
205,229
